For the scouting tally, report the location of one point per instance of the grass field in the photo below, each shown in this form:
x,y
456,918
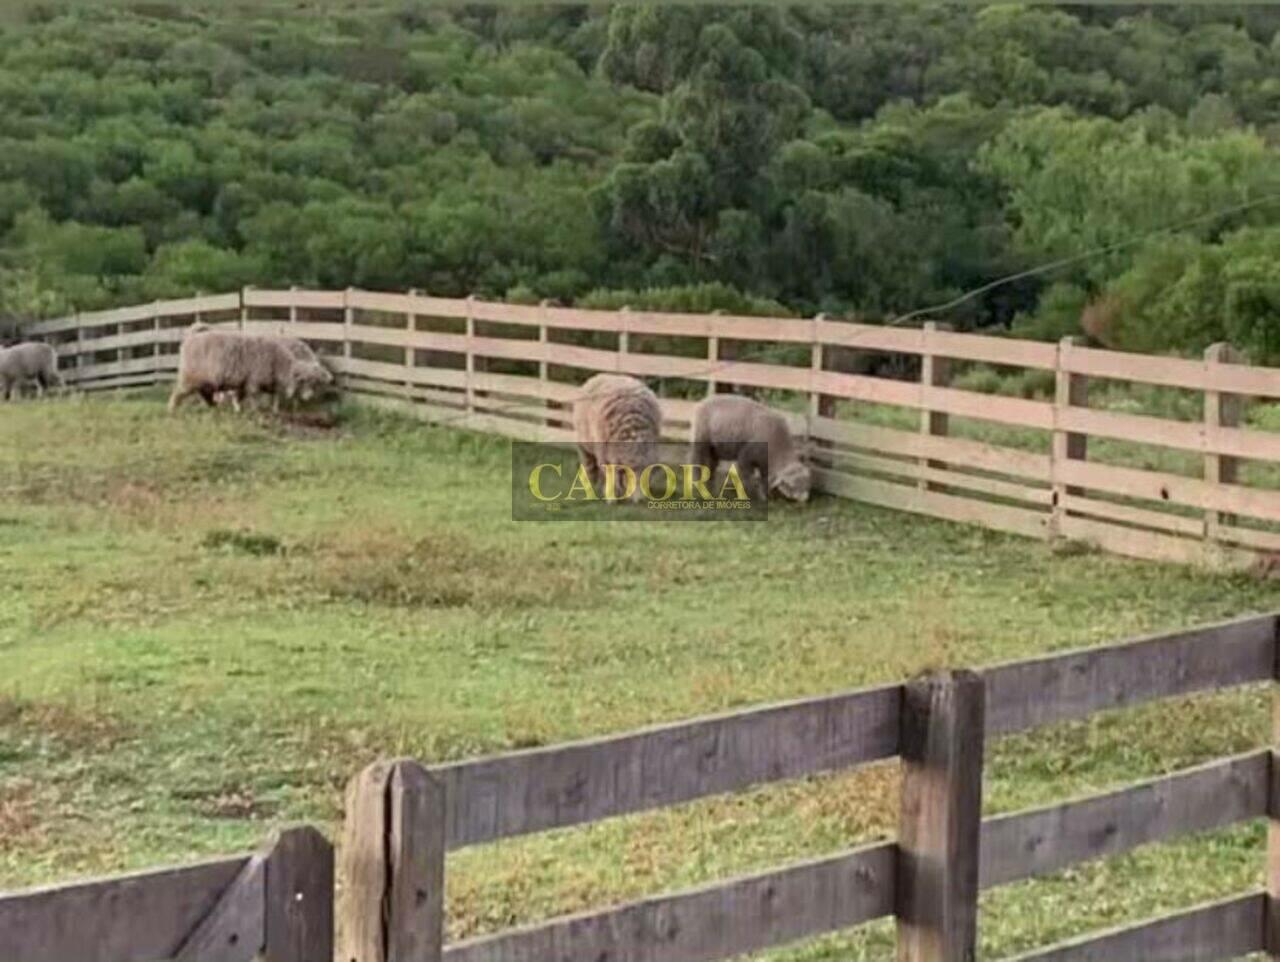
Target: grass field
x,y
208,623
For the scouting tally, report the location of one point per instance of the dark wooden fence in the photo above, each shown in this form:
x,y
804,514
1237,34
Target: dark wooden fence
x,y
403,818
276,904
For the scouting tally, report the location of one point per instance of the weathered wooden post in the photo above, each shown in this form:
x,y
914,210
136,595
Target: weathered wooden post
x,y
820,405
298,910
1071,390
410,351
935,371
393,853
348,320
713,355
624,336
544,381
470,355
1271,921
1221,410
940,824
244,304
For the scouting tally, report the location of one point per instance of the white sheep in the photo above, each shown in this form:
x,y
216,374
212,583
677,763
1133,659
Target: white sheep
x,y
28,362
211,362
616,420
725,424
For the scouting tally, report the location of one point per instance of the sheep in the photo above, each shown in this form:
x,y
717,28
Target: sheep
x,y
30,361
211,362
616,420
725,423
299,348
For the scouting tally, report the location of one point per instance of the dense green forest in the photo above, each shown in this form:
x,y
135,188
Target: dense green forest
x,y
857,160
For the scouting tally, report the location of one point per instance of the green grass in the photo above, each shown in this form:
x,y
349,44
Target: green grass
x,y
208,623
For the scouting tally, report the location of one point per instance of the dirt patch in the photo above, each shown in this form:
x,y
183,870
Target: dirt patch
x,y
436,570
237,803
70,727
20,821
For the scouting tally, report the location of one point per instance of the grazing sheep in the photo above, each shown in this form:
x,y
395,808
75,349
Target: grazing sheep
x,y
299,348
246,365
723,424
31,361
616,420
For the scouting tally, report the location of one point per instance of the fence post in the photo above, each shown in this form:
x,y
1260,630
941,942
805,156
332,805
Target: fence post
x,y
940,823
1271,921
79,347
410,352
544,338
348,319
820,405
471,355
155,348
624,336
393,866
713,358
1071,390
1221,410
935,371
293,308
298,914
244,305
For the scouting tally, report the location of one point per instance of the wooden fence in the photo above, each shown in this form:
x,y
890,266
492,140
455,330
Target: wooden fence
x,y
402,818
1133,483
275,905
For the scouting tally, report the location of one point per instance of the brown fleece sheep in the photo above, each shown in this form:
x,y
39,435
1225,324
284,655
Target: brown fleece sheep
x,y
723,424
616,420
31,361
211,362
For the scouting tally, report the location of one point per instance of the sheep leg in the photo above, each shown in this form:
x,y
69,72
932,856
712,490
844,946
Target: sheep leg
x,y
590,465
177,397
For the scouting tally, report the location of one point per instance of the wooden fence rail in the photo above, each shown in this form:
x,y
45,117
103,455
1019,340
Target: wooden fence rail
x,y
403,818
1151,485
275,905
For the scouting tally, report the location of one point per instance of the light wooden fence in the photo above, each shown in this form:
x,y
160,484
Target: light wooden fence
x,y
275,905
403,818
1131,483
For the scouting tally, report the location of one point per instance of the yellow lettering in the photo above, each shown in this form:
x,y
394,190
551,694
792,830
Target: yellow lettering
x,y
696,486
582,483
735,479
535,481
646,482
611,473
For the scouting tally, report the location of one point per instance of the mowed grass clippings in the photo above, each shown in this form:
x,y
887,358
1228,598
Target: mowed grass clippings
x,y
208,623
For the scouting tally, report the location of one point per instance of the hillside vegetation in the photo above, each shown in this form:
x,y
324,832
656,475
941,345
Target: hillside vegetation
x,y
857,160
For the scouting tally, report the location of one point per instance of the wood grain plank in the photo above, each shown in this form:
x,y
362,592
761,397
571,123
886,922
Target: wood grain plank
x,y
299,897
1042,841
953,450
1207,933
998,517
716,922
586,781
1128,514
1075,684
940,822
939,476
235,931
128,918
